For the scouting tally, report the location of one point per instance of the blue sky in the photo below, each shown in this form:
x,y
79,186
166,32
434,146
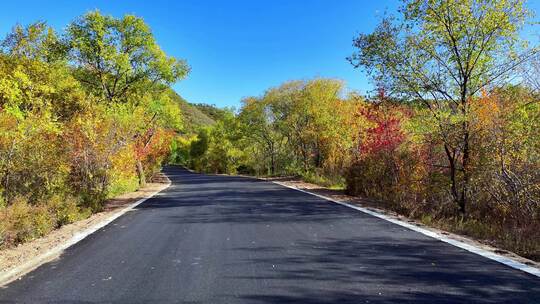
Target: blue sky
x,y
236,48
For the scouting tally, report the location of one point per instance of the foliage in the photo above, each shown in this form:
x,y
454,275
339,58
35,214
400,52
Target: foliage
x,y
452,136
442,54
116,58
84,116
461,135
298,127
193,117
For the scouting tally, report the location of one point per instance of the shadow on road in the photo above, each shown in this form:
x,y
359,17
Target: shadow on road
x,y
386,264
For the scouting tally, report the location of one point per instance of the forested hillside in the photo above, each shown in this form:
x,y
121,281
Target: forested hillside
x,y
211,111
193,117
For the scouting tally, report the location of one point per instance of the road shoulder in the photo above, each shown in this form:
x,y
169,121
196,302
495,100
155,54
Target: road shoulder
x,y
502,256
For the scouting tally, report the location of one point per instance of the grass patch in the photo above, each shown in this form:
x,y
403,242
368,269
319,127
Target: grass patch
x,y
334,183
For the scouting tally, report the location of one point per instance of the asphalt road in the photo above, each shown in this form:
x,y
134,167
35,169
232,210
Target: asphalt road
x,y
219,239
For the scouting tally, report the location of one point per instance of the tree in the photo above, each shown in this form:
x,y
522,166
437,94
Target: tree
x,y
34,75
287,106
198,148
159,112
313,116
78,114
119,61
118,57
331,128
259,126
531,74
223,154
37,95
442,54
37,41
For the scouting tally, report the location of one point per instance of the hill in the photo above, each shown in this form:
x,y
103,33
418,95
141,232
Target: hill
x,y
194,118
211,111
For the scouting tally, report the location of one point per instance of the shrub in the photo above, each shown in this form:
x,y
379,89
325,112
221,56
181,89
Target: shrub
x,y
26,222
401,161
64,210
245,170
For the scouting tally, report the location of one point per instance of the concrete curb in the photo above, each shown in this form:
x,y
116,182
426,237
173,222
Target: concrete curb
x,y
50,255
471,248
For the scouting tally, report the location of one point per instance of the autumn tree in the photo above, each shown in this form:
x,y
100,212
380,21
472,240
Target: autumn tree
x,y
37,41
442,54
37,95
36,76
119,61
79,113
313,116
159,113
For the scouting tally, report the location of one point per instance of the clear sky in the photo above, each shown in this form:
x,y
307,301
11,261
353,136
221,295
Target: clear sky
x,y
235,48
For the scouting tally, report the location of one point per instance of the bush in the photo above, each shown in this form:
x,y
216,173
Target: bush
x,y
21,222
66,146
401,162
20,225
65,210
245,170
122,177
26,222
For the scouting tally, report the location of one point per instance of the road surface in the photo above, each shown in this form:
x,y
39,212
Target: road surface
x,y
219,239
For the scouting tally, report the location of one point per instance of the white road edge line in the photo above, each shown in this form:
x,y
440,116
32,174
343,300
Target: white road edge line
x,y
25,268
479,251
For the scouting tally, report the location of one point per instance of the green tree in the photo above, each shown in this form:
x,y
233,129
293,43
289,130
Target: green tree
x,y
313,116
223,154
117,58
259,126
34,75
37,41
198,148
37,96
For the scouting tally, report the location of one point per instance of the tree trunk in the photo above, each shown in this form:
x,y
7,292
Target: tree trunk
x,y
140,173
463,201
318,158
273,159
305,159
453,178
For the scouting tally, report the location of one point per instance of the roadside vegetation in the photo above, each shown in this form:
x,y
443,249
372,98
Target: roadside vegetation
x,y
451,135
84,115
